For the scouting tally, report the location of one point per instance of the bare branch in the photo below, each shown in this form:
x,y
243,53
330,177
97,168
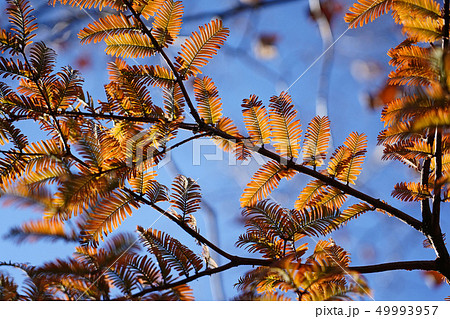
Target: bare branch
x,y
399,265
241,8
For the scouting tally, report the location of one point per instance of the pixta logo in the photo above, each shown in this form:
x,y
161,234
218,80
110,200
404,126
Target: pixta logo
x,y
145,148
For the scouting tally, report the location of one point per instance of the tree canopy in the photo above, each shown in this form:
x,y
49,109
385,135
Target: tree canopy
x,y
98,163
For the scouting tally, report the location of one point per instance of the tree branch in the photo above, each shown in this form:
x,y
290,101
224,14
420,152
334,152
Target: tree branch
x,y
225,14
446,28
399,265
194,137
207,272
300,168
195,234
178,79
326,179
435,235
111,117
437,176
425,203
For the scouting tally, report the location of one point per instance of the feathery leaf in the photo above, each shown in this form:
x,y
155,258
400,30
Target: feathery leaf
x,y
200,47
409,192
346,161
108,215
41,230
43,59
263,182
185,195
150,74
209,103
285,129
365,10
177,255
114,24
130,45
22,21
420,9
14,69
316,141
167,22
309,196
256,120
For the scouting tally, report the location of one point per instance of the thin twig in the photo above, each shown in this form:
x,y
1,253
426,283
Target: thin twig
x,y
178,78
435,234
324,178
138,119
241,8
194,137
401,265
398,265
182,224
207,272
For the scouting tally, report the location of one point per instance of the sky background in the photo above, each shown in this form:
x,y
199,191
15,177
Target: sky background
x,y
360,65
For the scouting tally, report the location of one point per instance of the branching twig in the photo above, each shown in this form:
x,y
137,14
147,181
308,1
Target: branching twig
x,y
425,203
191,231
178,78
35,80
194,137
401,265
435,235
237,9
326,179
207,272
210,130
104,116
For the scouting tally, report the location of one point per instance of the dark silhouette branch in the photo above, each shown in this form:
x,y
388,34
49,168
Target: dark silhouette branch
x,y
398,265
207,272
194,233
435,235
241,8
437,184
326,179
267,153
425,203
178,78
446,28
401,265
108,117
194,137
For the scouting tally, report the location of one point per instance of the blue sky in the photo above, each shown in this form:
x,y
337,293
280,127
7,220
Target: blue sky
x,y
372,238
